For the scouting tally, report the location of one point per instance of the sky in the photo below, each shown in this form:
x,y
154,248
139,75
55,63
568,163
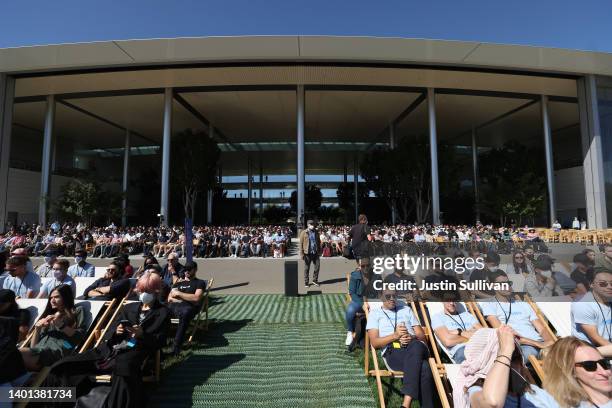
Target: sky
x,y
584,25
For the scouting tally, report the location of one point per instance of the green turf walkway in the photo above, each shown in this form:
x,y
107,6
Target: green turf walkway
x,y
269,351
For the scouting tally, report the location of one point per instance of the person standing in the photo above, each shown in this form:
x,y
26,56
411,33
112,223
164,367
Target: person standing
x,y
360,235
310,247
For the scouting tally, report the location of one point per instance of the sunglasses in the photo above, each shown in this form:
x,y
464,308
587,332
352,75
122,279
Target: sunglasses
x,y
390,297
604,284
591,365
508,282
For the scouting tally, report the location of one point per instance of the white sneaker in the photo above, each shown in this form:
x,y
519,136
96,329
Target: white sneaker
x,y
349,338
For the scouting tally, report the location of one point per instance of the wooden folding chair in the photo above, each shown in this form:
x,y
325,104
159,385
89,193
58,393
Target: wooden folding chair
x,y
203,310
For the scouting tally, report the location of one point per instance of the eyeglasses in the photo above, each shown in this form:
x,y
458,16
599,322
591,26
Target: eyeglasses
x,y
390,297
604,284
591,365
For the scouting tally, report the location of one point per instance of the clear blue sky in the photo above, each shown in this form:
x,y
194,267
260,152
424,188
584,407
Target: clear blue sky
x,y
585,24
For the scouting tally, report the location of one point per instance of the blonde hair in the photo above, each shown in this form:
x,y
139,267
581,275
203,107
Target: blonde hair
x,y
560,380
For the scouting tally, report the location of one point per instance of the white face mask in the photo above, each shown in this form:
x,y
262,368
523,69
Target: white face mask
x,y
78,259
311,227
146,298
546,274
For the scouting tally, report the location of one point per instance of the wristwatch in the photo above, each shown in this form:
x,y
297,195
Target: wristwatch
x,y
459,331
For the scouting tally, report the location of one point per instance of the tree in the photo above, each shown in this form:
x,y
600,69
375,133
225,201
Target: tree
x,y
512,182
194,162
346,198
402,177
83,200
312,199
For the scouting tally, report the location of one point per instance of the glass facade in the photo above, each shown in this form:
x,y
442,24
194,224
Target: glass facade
x,y
604,102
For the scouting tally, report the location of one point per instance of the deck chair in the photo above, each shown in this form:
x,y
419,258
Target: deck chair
x,y
348,282
35,307
370,350
100,272
554,311
83,283
203,310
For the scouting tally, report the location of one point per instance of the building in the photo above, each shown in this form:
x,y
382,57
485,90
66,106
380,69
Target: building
x,y
288,111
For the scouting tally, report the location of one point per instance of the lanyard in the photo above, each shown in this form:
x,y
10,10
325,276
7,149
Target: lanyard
x,y
462,325
507,316
395,311
606,325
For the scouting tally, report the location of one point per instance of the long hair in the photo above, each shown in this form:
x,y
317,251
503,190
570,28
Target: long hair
x,y
520,268
560,380
65,292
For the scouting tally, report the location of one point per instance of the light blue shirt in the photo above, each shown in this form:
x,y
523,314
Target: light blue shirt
x,y
463,321
588,311
537,398
384,320
51,284
87,270
30,282
518,315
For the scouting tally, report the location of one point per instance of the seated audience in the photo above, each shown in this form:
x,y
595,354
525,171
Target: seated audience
x,y
492,260
520,316
81,267
60,277
185,301
592,314
46,268
493,374
577,375
542,283
358,281
25,284
138,332
519,264
582,273
111,286
396,330
604,260
173,270
12,322
454,328
58,331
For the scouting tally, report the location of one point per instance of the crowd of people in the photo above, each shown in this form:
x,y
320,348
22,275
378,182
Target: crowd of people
x,y
139,330
493,353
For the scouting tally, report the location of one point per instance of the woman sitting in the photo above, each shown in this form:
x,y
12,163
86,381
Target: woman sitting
x,y
396,330
493,374
57,333
138,332
577,375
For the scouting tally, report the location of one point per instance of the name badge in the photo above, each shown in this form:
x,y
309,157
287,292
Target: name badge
x,y
397,345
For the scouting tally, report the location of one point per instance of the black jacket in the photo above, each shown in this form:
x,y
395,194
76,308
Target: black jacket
x,y
155,325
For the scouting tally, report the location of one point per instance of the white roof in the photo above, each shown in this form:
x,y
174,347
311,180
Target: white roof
x,y
302,49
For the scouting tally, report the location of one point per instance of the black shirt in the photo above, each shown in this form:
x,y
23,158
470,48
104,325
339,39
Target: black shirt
x,y
359,235
580,277
190,286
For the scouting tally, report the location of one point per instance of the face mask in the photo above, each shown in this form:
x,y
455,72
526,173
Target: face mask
x,y
78,259
146,298
546,274
311,227
59,275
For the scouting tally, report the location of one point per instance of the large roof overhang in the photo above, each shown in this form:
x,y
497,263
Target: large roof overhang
x,y
138,53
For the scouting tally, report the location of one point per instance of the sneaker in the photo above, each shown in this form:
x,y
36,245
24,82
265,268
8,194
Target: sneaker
x,y
307,285
316,284
349,338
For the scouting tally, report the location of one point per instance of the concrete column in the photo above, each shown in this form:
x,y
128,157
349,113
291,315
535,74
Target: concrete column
x,y
592,153
301,189
356,187
165,175
209,206
392,136
249,189
433,150
392,146
475,175
45,173
7,92
548,152
126,178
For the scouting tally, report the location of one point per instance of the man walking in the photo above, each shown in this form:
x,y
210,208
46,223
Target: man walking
x,y
310,247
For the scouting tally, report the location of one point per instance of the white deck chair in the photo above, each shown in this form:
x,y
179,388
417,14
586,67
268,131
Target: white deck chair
x,y
36,307
92,309
518,282
83,283
557,310
100,272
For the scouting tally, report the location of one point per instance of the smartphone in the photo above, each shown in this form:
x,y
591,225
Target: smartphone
x,y
125,323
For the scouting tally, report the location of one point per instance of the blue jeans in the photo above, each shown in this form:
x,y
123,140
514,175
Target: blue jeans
x,y
459,355
529,351
351,311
